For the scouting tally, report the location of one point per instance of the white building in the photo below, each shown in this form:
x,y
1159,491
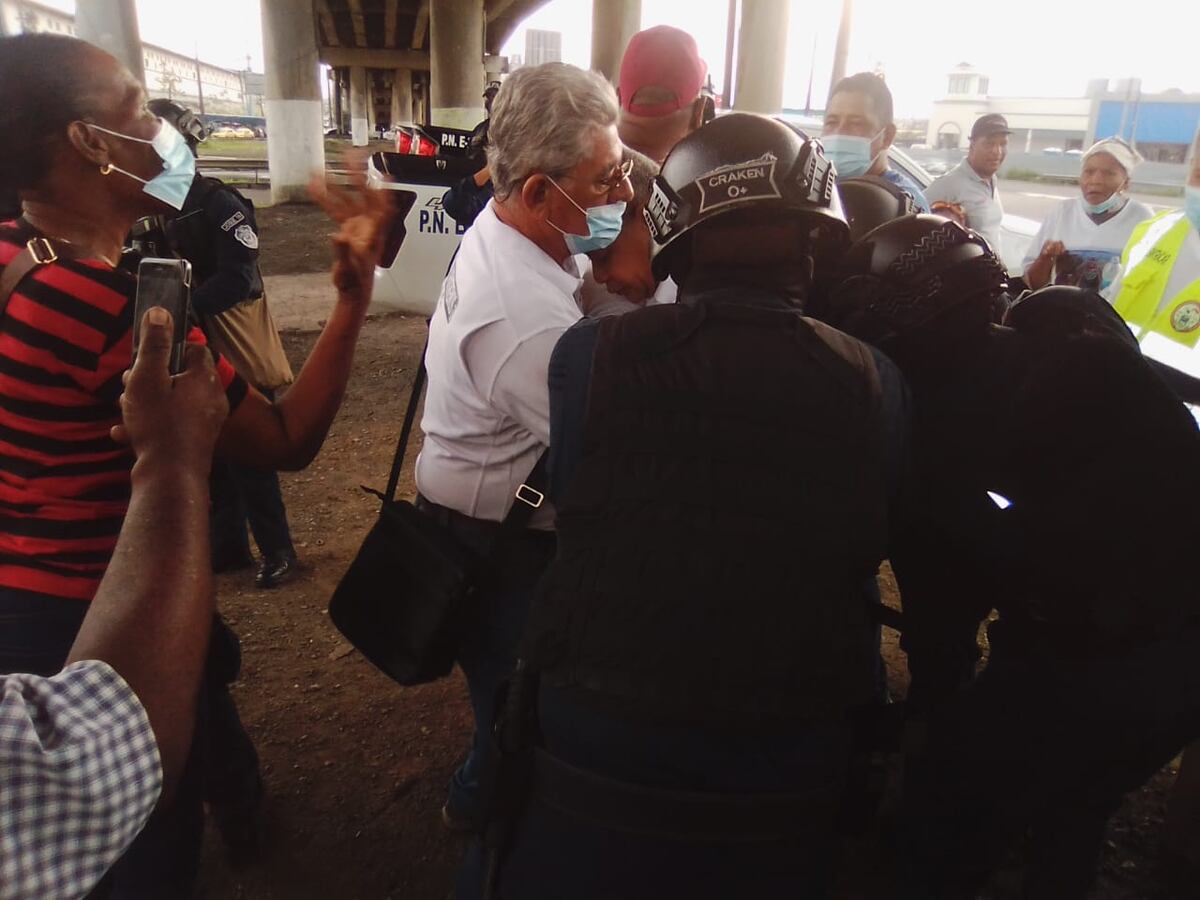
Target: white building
x,y
1161,125
1037,122
542,46
168,74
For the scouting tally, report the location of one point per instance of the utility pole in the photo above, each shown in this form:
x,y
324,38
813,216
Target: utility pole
x,y
730,36
842,49
812,68
199,84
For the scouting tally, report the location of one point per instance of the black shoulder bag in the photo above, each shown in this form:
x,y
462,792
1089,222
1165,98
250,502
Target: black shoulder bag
x,y
409,594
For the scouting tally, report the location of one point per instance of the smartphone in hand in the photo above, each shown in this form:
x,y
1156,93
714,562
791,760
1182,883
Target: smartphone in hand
x,y
166,283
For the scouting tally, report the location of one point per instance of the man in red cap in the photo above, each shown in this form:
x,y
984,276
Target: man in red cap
x,y
661,90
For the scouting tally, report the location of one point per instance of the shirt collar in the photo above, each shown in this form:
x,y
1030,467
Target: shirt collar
x,y
524,255
971,173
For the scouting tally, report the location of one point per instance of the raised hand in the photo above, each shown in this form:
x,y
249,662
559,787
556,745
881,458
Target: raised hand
x,y
364,217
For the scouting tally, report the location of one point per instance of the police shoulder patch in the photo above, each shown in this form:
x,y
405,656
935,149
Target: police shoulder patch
x,y
231,221
750,180
245,235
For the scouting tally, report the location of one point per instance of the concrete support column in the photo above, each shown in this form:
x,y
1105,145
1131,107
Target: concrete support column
x,y
359,101
402,97
372,116
614,22
112,26
337,99
456,62
295,138
762,55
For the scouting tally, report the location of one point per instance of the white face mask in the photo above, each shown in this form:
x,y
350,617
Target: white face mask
x,y
172,184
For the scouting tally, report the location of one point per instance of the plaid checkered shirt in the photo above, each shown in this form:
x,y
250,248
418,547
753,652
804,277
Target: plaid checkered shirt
x,y
79,776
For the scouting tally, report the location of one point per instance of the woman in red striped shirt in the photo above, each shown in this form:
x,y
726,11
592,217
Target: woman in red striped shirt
x,y
87,160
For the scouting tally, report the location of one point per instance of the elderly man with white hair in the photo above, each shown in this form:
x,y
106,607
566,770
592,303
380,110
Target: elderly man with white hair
x,y
514,288
1080,242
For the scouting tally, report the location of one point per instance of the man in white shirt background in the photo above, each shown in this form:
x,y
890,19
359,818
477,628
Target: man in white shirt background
x,y
971,188
560,190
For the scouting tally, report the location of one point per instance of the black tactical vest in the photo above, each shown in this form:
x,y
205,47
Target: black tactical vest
x,y
726,513
191,236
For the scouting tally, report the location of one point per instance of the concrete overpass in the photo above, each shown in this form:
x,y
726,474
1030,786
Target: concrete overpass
x,y
419,60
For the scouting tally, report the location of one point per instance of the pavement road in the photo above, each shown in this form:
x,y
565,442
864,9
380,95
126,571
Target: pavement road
x,y
1034,201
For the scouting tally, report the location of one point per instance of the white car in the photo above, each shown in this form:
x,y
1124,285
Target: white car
x,y
425,236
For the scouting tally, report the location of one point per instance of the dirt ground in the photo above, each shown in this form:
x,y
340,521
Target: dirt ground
x,y
356,766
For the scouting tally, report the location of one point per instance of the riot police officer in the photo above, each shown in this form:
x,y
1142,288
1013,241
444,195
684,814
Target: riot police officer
x,y
216,231
1051,481
720,468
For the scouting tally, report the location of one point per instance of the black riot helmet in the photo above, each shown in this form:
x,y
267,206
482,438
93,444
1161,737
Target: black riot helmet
x,y
185,121
869,201
915,277
751,167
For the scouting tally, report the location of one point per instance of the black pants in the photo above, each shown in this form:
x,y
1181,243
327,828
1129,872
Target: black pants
x,y
1045,743
241,494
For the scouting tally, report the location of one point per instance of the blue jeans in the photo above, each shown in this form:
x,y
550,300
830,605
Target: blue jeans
x,y
555,856
489,650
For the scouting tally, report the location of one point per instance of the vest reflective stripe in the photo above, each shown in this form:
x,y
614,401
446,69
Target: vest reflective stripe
x,y
1147,263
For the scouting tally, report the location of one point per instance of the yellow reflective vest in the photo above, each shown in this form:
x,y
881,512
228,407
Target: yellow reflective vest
x,y
1146,266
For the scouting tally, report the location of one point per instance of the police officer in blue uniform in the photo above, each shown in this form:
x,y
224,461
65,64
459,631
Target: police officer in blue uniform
x,y
721,471
217,233
1052,480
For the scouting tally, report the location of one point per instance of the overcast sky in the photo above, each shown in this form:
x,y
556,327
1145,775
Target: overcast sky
x,y
1029,47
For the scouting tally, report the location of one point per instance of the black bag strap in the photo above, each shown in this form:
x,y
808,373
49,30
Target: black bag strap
x,y
410,416
530,494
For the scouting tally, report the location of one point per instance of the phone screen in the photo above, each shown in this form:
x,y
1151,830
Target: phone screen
x,y
165,283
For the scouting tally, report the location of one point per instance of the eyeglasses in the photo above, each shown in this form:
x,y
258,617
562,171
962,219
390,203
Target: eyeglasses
x,y
610,182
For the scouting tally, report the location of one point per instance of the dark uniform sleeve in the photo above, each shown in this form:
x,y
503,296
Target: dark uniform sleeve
x,y
236,244
569,379
466,200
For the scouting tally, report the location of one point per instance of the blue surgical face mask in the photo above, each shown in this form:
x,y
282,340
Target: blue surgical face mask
x,y
604,224
850,154
172,184
1114,202
1191,205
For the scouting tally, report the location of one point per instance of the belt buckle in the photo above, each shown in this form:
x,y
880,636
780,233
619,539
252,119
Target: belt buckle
x,y
41,250
530,496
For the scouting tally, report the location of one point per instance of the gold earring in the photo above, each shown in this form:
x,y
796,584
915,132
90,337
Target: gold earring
x,y
106,169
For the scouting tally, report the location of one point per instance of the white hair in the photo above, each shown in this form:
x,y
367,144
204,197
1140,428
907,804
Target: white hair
x,y
544,120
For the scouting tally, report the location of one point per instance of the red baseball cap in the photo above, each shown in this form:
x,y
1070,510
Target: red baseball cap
x,y
661,57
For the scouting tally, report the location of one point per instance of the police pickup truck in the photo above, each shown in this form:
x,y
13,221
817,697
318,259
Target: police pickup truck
x,y
425,236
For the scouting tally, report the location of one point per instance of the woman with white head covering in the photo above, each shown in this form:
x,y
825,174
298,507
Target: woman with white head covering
x,y
1081,240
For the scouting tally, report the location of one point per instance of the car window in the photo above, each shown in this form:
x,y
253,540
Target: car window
x,y
908,166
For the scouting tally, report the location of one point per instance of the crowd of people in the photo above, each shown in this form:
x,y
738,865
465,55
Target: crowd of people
x,y
724,415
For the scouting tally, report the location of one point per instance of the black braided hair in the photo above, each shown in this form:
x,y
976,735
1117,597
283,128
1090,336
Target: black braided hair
x,y
43,88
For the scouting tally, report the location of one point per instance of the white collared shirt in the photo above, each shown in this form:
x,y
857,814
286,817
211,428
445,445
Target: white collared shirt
x,y
979,198
502,308
1091,246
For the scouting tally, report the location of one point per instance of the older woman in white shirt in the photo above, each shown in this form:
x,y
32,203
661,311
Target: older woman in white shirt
x,y
1080,242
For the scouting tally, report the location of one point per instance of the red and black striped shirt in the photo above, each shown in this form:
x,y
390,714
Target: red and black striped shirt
x,y
65,339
